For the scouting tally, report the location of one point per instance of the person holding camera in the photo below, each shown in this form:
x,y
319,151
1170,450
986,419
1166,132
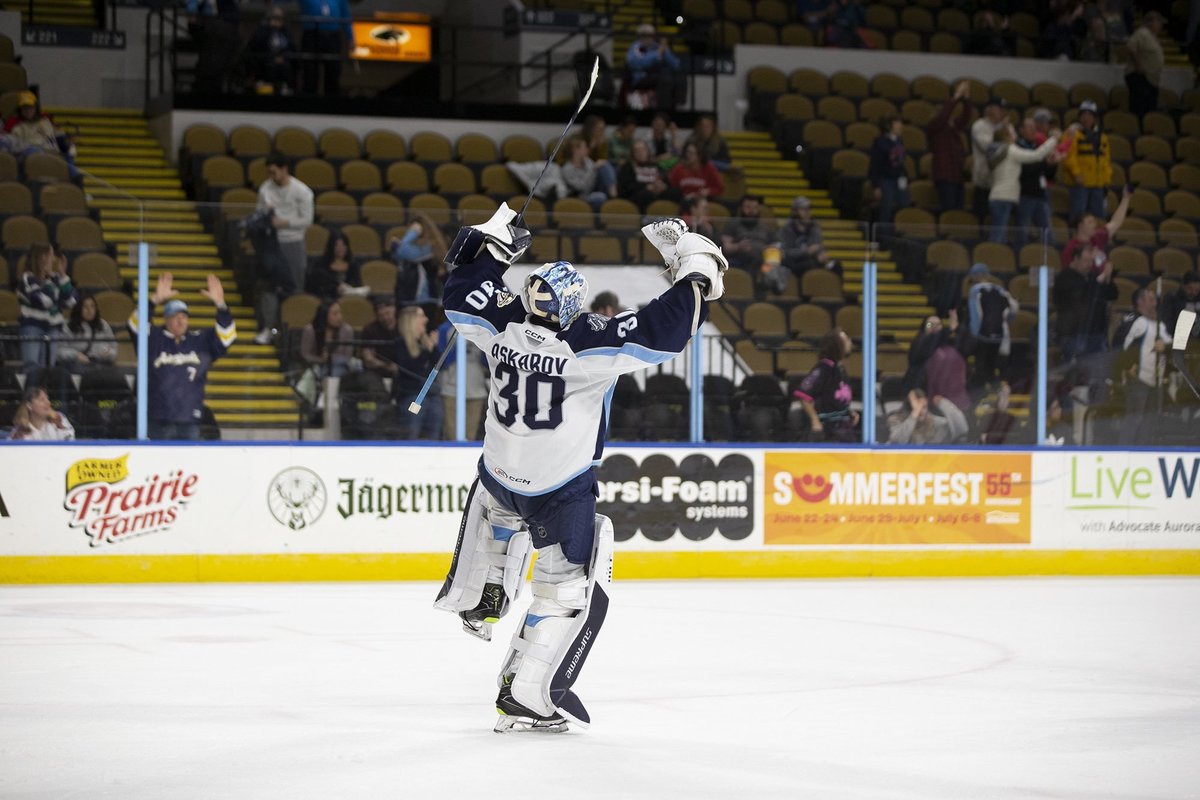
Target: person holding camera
x,y
652,66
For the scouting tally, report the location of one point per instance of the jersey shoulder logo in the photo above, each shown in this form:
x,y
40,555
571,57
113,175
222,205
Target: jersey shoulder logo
x,y
504,298
597,322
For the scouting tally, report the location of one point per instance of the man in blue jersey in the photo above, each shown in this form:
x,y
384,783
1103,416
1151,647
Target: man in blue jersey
x,y
552,370
180,360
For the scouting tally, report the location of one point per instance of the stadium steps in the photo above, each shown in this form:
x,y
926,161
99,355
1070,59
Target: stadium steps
x,y
901,305
73,13
125,165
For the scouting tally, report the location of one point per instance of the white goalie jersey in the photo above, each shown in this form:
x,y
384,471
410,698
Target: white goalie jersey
x,y
550,390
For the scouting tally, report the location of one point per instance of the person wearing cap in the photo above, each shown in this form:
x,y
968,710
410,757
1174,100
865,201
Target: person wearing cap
x,y
745,236
180,359
945,132
802,243
1143,72
983,134
1087,165
887,172
33,130
651,65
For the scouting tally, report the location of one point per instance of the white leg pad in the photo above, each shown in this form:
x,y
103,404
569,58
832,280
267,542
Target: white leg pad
x,y
568,609
493,547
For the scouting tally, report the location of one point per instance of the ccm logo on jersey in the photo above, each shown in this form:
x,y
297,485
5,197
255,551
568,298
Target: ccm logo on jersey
x,y
534,335
509,478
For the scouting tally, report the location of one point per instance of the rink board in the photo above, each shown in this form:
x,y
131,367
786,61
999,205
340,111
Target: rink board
x,y
244,512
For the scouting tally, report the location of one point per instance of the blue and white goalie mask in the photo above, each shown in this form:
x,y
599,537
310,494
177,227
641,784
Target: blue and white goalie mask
x,y
556,293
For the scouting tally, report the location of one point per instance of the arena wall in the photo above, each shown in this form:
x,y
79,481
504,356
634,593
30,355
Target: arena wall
x,y
241,512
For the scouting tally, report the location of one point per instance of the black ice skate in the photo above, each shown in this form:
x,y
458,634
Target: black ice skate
x,y
516,717
492,605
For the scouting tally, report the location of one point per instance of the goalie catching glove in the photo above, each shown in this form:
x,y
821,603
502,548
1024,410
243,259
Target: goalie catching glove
x,y
505,241
689,256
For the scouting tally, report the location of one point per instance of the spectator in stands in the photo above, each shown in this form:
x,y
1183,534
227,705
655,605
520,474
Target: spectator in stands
x,y
35,420
998,425
664,140
1114,21
447,382
1007,162
416,353
983,135
991,37
1095,47
379,337
324,38
641,181
606,304
595,133
694,211
1143,72
213,26
44,294
653,67
290,202
620,144
89,340
1088,164
695,176
1081,298
180,359
772,274
711,143
1033,207
945,132
271,51
887,172
802,243
825,391
1058,38
1089,231
1145,341
327,343
814,14
918,424
337,273
1186,297
990,309
419,259
745,236
35,132
847,18
1059,430
582,177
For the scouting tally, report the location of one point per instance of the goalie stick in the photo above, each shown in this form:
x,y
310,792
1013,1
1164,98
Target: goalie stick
x,y
415,406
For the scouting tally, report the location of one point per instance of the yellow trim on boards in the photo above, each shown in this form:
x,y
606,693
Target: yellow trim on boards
x,y
637,565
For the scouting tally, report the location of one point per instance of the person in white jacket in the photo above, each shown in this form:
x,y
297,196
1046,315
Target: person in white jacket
x,y
1006,160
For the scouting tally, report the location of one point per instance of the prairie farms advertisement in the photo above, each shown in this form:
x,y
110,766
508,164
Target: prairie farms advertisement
x,y
896,498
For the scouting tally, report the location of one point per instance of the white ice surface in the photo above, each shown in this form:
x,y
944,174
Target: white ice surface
x,y
1038,688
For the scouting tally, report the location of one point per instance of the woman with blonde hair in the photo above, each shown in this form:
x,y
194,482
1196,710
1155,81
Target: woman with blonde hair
x,y
419,259
416,352
37,421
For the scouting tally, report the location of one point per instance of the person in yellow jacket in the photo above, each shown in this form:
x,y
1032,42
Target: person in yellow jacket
x,y
1088,165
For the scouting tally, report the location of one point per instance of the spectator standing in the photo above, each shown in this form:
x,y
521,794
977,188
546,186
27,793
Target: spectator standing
x,y
664,140
290,202
983,134
416,353
1145,341
327,343
271,51
695,176
35,420
44,294
1088,164
1058,38
1186,297
641,181
180,359
325,37
1089,231
712,144
802,242
418,256
990,308
1114,21
945,132
652,66
847,18
336,273
213,25
747,234
1143,73
887,172
1081,298
379,338
825,391
1095,47
1033,206
89,341
1008,162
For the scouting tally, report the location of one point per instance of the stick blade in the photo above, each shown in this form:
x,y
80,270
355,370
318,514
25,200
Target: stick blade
x,y
414,407
1183,329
